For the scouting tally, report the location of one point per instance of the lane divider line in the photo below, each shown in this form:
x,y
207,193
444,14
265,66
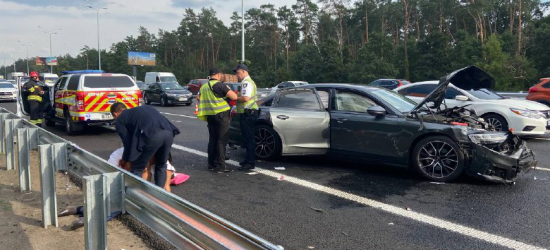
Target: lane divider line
x,y
187,116
543,169
426,219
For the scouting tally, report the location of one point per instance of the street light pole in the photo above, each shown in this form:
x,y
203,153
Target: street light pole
x,y
97,19
242,45
50,32
27,59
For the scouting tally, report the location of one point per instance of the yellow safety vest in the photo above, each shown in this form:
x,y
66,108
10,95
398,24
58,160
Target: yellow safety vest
x,y
32,96
251,104
209,104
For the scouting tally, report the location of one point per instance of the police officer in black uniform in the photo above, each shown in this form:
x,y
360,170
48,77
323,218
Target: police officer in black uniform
x,y
34,98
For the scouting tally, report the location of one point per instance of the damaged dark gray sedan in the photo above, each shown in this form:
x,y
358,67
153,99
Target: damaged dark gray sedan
x,y
381,126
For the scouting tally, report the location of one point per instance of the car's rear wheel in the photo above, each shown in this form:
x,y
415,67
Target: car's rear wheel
x,y
498,122
268,143
146,100
438,158
71,127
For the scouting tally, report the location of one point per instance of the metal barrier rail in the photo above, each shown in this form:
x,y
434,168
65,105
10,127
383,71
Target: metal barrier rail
x,y
109,189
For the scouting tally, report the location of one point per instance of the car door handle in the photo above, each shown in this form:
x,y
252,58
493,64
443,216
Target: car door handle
x,y
341,120
282,117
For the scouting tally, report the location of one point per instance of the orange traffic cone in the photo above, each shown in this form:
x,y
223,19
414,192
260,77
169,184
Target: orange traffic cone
x,y
196,109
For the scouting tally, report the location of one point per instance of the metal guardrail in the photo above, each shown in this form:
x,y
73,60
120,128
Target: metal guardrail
x,y
109,189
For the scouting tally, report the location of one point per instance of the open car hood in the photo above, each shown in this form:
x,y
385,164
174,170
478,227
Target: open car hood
x,y
467,78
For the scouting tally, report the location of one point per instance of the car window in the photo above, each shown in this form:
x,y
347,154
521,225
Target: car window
x,y
324,95
546,85
171,86
298,99
351,101
108,82
485,94
375,83
451,93
6,85
73,82
418,90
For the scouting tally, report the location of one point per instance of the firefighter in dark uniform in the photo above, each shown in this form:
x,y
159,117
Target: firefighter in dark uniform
x,y
34,98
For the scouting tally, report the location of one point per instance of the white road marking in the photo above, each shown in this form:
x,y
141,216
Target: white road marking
x,y
546,139
399,211
543,169
187,116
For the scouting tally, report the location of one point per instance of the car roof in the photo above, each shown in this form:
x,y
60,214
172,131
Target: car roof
x,y
338,85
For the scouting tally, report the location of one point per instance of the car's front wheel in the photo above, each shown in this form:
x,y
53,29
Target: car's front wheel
x,y
268,143
497,122
438,158
146,100
163,101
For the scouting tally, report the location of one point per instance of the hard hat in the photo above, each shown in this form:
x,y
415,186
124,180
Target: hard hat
x,y
34,74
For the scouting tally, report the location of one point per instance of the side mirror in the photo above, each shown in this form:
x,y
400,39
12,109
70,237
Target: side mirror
x,y
376,111
461,98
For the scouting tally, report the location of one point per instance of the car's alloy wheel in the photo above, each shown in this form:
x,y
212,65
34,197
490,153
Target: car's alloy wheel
x,y
497,122
438,158
163,101
268,143
146,100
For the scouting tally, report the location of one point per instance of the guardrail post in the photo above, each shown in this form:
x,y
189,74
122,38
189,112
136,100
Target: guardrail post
x,y
3,116
25,138
47,179
9,134
95,212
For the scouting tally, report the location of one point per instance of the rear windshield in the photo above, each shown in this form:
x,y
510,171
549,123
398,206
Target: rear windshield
x,y
108,82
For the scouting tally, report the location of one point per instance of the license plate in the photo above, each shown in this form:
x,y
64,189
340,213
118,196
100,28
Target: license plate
x,y
106,116
183,99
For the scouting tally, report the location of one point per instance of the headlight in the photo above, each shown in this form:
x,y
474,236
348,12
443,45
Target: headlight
x,y
527,113
489,138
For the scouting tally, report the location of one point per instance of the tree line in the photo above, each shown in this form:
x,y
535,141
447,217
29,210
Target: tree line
x,y
346,41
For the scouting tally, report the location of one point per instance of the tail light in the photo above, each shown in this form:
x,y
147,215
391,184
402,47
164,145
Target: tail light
x,y
400,84
80,101
140,98
533,90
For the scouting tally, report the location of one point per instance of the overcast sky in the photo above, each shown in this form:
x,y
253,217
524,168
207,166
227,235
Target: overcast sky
x,y
20,20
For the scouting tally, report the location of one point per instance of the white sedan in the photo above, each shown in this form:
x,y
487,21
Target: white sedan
x,y
523,117
7,92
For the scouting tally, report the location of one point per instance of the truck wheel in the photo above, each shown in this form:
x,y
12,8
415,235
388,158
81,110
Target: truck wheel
x,y
71,127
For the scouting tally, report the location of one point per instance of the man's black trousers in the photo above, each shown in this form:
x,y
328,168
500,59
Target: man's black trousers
x,y
159,146
35,111
248,127
218,126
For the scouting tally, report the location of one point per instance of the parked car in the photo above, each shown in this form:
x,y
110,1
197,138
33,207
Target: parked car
x,y
8,92
49,79
81,98
378,125
389,83
522,116
287,84
540,92
167,93
195,85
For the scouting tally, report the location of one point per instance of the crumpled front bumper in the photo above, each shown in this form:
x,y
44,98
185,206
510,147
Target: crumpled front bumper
x,y
494,166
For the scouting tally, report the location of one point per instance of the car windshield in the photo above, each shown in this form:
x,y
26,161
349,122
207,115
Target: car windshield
x,y
6,85
168,79
50,80
485,94
401,103
170,86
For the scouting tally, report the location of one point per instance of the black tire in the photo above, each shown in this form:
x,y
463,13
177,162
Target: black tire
x,y
49,122
146,100
163,101
438,158
268,143
71,127
497,121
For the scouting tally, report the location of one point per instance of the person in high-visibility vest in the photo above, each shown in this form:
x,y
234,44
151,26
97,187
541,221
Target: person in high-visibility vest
x,y
248,110
214,109
34,98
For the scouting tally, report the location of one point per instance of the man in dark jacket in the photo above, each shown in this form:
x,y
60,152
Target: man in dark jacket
x,y
145,133
34,98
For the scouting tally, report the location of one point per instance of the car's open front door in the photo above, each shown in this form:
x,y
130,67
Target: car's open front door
x,y
301,121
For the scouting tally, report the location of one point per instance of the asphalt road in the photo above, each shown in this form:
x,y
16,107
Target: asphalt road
x,y
329,204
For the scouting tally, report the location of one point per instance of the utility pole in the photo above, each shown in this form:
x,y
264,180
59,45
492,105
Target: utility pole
x,y
50,32
242,59
97,8
27,59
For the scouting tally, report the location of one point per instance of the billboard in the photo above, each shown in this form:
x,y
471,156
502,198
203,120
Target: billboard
x,y
50,61
141,58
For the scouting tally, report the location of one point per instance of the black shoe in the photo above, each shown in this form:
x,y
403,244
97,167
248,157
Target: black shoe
x,y
211,168
227,157
242,163
246,166
226,170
